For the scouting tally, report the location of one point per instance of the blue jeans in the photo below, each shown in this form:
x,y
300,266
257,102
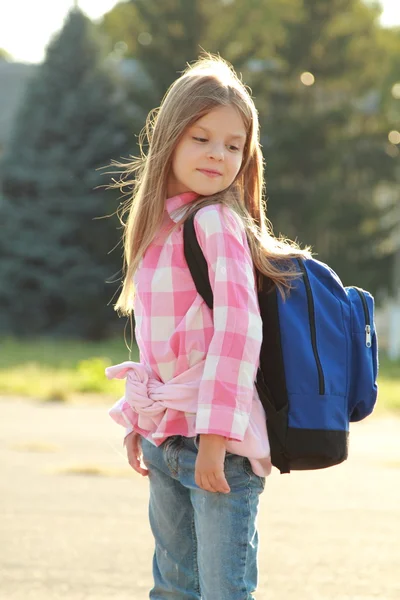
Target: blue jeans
x,y
205,543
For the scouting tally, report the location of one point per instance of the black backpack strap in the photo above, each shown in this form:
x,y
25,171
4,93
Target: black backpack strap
x,y
196,262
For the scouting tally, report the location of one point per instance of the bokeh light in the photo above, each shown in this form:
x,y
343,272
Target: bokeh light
x,y
396,91
394,137
145,38
121,47
307,78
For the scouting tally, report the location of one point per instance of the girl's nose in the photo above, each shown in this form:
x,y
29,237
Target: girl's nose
x,y
216,152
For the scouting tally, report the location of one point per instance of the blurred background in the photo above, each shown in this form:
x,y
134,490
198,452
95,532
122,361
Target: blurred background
x,y
77,79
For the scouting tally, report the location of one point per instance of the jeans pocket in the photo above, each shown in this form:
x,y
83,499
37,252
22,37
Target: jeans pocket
x,y
248,468
171,449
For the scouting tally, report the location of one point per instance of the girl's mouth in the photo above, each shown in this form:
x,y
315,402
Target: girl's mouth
x,y
210,173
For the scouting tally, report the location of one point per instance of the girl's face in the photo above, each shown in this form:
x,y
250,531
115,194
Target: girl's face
x,y
209,155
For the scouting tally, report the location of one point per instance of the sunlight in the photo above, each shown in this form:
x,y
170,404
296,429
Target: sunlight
x,y
27,43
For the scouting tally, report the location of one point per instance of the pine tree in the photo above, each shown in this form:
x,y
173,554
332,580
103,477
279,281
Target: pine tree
x,y
162,36
55,251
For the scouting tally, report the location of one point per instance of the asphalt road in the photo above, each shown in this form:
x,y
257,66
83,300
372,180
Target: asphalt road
x,y
73,516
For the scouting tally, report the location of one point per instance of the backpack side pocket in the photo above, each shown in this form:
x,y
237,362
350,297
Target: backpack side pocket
x,y
364,355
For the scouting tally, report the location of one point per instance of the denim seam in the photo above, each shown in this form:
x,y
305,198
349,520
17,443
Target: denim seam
x,y
248,469
248,521
195,563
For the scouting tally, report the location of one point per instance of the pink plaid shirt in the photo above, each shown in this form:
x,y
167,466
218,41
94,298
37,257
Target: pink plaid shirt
x,y
197,366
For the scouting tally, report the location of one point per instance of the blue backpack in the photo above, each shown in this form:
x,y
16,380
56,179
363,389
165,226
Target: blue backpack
x,y
318,360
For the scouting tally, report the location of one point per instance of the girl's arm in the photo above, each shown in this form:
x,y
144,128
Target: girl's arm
x,y
227,387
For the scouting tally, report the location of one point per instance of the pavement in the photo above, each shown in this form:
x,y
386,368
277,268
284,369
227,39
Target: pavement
x,y
73,515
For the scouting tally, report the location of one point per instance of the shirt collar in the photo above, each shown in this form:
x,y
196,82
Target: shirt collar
x,y
180,201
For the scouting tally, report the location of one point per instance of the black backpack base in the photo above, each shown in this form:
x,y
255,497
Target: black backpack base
x,y
294,449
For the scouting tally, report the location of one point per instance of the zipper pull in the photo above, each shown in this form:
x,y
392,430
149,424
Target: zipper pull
x,y
368,336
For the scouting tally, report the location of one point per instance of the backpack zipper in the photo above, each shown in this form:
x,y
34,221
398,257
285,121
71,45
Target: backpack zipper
x,y
368,340
311,315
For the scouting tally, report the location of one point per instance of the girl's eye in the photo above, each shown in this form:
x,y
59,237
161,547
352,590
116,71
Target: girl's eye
x,y
203,140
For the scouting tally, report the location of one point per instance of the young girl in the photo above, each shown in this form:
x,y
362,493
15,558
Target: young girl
x,y
194,421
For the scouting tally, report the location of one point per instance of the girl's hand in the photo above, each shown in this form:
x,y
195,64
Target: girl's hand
x,y
134,451
209,470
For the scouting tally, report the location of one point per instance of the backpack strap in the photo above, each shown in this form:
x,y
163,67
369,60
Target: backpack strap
x,y
196,261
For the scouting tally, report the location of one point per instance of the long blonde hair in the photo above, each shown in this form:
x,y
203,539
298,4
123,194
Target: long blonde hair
x,y
207,84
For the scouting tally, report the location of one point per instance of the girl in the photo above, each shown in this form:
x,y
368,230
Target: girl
x,y
194,421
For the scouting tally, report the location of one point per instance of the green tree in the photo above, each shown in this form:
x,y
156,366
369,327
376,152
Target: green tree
x,y
161,36
164,35
55,259
325,138
390,40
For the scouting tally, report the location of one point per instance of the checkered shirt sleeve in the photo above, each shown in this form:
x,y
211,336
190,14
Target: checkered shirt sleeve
x,y
227,386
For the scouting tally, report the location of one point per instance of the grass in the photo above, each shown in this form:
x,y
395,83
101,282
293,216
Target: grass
x,y
72,371
389,385
61,371
65,354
